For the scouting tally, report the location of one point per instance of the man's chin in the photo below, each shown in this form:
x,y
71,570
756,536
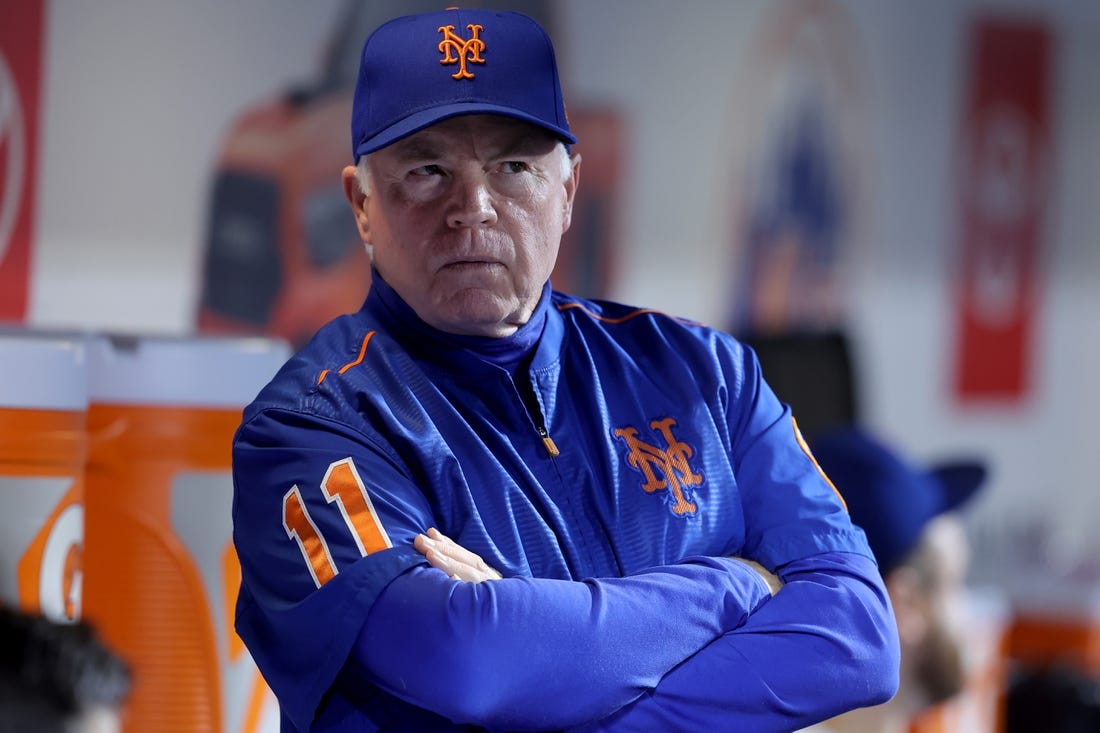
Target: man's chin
x,y
479,313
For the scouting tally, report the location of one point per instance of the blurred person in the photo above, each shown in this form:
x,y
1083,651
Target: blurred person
x,y
914,526
641,540
58,677
1059,698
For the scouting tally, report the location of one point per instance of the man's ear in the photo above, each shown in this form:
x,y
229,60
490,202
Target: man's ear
x,y
358,200
571,184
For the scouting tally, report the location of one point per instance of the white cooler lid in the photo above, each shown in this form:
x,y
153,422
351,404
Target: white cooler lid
x,y
40,370
199,371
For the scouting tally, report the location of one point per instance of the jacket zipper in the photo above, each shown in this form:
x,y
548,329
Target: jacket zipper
x,y
548,442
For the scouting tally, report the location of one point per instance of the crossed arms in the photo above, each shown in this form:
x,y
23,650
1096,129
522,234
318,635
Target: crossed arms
x,y
605,661
698,643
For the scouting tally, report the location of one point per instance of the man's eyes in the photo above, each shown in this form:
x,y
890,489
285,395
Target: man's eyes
x,y
427,170
509,166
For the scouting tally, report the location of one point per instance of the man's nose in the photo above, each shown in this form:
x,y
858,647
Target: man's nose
x,y
472,205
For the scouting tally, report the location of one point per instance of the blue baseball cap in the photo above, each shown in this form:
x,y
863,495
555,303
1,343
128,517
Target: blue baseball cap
x,y
417,70
888,497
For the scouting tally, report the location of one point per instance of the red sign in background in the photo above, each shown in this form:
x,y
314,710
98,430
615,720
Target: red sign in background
x,y
1005,173
21,48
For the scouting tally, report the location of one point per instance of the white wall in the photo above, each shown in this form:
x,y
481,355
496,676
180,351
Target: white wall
x,y
137,96
1043,462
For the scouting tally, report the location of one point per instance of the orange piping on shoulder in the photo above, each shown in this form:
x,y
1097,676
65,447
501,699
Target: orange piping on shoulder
x,y
350,364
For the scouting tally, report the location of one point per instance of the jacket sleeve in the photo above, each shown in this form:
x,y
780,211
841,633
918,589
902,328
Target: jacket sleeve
x,y
318,588
312,558
542,654
826,643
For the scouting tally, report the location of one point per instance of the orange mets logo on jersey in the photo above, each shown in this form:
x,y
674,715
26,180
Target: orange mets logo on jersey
x,y
461,51
663,468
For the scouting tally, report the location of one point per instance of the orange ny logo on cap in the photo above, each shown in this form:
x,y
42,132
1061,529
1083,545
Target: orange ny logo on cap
x,y
468,49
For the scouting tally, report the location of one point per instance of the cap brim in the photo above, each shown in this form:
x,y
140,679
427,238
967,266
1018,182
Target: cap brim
x,y
960,480
425,118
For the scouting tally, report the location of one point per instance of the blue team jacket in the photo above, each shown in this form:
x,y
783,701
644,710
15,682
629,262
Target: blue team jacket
x,y
608,479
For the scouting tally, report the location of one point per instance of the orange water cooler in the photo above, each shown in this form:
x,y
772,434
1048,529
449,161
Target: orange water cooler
x,y
161,575
42,445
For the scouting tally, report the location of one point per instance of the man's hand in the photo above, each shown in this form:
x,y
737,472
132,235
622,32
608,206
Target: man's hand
x,y
773,581
445,554
452,558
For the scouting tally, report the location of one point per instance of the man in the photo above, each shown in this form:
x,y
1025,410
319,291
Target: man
x,y
58,677
913,525
625,482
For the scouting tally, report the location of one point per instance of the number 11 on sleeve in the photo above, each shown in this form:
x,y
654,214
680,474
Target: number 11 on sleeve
x,y
343,486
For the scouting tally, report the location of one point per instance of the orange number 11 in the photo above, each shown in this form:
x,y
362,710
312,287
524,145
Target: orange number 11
x,y
343,486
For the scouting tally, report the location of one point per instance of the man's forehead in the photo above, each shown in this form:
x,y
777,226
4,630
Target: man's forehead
x,y
492,133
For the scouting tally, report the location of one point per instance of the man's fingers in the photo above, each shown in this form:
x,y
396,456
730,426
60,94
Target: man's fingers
x,y
442,562
422,544
456,561
773,581
460,554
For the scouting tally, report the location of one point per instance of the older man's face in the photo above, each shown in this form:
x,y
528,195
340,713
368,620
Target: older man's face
x,y
465,218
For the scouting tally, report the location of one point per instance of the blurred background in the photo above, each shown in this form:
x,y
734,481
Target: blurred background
x,y
899,203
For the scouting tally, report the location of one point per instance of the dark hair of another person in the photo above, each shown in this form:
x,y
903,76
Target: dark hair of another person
x,y
52,672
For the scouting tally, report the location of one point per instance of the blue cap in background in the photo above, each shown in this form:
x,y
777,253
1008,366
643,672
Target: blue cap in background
x,y
889,498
